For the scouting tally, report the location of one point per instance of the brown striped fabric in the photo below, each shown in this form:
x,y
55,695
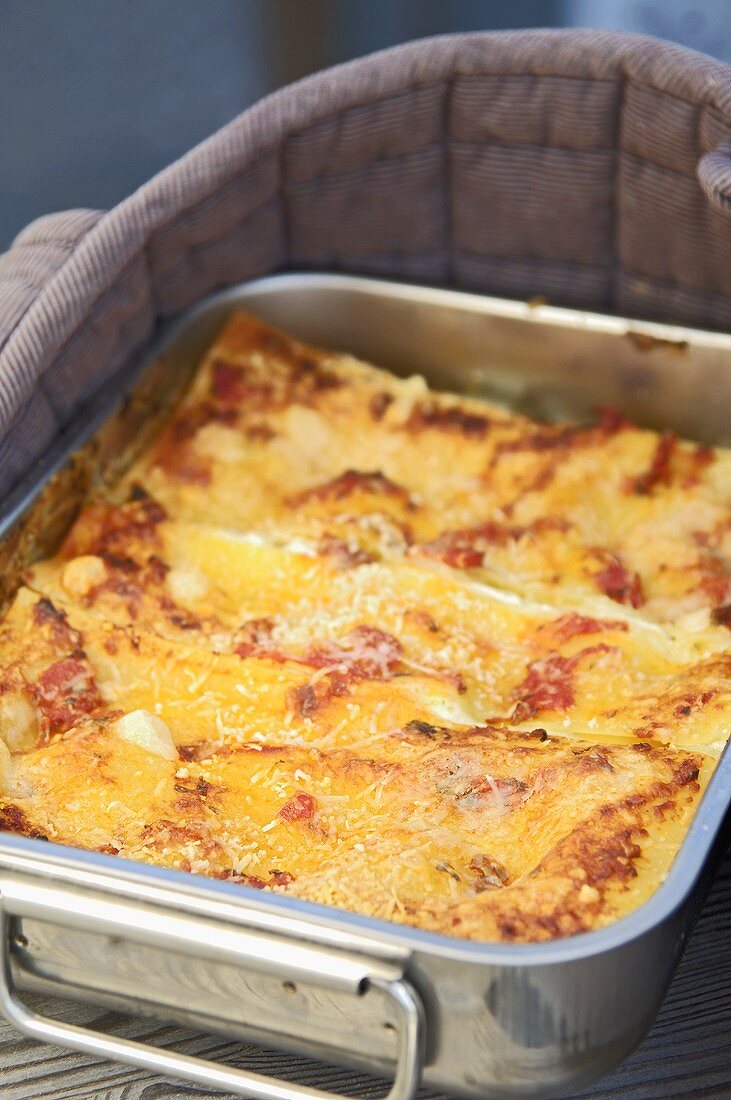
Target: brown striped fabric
x,y
590,167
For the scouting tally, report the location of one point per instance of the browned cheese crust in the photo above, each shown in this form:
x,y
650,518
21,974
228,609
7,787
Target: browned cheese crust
x,y
400,652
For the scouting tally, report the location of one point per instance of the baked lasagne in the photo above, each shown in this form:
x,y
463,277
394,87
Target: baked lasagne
x,y
402,652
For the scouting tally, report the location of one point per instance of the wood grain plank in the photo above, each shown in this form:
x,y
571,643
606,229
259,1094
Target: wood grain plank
x,y
687,1054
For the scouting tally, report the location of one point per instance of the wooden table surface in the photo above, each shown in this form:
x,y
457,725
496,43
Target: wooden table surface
x,y
687,1053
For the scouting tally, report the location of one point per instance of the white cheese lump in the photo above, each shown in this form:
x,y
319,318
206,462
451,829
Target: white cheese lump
x,y
187,585
149,732
82,574
18,722
6,768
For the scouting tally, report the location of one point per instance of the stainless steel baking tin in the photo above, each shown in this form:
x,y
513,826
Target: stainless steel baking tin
x,y
476,1019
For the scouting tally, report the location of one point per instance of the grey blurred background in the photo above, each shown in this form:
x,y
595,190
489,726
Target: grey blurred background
x,y
97,95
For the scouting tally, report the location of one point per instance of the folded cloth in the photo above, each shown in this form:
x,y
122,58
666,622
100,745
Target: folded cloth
x,y
590,167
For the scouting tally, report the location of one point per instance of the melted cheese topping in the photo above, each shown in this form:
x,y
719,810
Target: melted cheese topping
x,y
399,652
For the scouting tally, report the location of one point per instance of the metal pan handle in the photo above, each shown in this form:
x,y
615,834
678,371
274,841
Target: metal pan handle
x,y
349,973
197,1070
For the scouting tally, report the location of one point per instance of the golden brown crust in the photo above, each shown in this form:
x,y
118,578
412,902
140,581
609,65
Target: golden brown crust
x,y
608,509
384,649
